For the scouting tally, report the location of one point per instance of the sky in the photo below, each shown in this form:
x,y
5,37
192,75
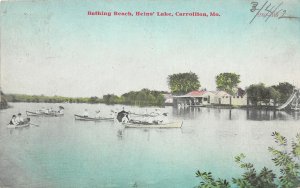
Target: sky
x,y
55,48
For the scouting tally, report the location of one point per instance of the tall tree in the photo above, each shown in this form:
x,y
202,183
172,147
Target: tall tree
x,y
261,93
227,82
182,83
285,89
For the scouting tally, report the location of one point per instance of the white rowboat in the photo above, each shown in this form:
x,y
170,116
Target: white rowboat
x,y
163,125
85,118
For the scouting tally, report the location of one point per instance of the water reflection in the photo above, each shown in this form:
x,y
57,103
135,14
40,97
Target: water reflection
x,y
235,114
120,134
17,131
267,115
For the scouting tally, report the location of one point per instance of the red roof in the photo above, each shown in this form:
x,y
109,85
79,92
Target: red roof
x,y
196,93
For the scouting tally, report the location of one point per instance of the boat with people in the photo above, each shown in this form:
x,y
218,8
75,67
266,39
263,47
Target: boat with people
x,y
133,114
86,118
25,123
47,112
157,121
40,113
132,124
53,114
29,113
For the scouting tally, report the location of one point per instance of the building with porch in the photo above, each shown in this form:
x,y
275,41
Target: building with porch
x,y
193,98
207,98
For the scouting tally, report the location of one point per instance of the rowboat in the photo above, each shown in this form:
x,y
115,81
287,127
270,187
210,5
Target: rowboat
x,y
52,114
143,115
28,113
25,124
163,125
86,118
18,126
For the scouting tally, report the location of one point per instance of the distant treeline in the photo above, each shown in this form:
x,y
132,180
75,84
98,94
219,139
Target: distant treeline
x,y
145,97
3,101
49,99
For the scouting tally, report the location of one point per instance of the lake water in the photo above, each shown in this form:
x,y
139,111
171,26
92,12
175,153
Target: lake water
x,y
62,152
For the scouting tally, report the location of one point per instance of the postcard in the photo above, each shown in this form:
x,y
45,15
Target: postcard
x,y
149,93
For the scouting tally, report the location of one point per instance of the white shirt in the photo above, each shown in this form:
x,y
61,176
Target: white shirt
x,y
98,115
85,113
14,121
19,119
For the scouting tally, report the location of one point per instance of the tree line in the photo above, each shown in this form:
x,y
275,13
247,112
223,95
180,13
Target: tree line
x,y
183,83
144,97
49,99
179,84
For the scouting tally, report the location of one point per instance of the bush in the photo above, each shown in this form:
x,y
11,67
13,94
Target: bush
x,y
286,161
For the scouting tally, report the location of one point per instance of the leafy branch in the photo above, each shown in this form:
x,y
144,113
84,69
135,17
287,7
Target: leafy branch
x,y
286,161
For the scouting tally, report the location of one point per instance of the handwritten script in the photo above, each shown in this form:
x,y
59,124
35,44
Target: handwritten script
x,y
267,11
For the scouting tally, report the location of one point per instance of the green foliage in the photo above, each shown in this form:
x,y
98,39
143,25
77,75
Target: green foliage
x,y
227,82
94,100
3,101
251,178
111,99
145,97
286,161
49,99
259,93
208,181
285,90
182,83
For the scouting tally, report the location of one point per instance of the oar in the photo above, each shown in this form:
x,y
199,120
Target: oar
x,y
144,115
34,124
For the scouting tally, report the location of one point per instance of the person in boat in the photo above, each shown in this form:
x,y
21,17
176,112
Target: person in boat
x,y
39,111
85,113
61,110
98,115
125,119
47,111
149,120
156,112
123,116
162,118
13,120
19,119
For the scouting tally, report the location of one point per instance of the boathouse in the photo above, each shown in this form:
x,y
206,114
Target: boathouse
x,y
193,98
224,98
207,98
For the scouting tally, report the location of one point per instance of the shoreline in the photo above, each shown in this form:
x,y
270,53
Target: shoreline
x,y
267,108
